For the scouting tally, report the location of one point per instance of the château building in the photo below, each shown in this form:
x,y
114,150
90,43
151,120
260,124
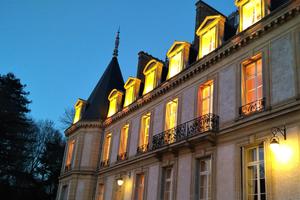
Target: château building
x,y
219,119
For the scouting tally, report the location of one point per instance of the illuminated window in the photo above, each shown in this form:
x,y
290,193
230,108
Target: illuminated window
x,y
167,184
203,179
210,33
254,173
139,187
252,85
101,191
149,82
178,58
152,72
123,139
175,65
115,99
208,41
251,11
70,153
106,147
144,133
205,97
171,114
132,89
79,106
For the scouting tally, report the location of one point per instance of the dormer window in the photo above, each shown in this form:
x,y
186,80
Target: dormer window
x,y
251,11
178,58
115,100
152,73
211,33
132,87
79,108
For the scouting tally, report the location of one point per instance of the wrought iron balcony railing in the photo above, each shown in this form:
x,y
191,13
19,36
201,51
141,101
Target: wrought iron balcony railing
x,y
104,163
122,156
253,107
205,123
142,149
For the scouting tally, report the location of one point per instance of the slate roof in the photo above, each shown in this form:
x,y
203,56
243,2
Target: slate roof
x,y
98,104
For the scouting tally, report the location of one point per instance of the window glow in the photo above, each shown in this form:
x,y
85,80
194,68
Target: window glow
x,y
149,82
123,139
139,187
70,152
253,83
145,129
112,107
101,192
106,149
206,98
251,13
130,96
208,42
171,114
175,65
115,98
79,106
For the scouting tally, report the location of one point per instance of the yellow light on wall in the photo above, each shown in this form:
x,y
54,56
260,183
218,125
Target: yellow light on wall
x,y
274,144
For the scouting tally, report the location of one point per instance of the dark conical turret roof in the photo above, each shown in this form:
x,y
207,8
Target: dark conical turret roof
x,y
98,104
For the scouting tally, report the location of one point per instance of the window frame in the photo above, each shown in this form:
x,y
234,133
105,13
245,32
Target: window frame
x,y
198,174
244,167
209,83
145,115
172,183
127,143
135,193
69,163
109,148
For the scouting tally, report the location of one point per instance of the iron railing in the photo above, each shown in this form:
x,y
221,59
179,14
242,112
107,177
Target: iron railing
x,y
205,123
142,149
122,156
253,107
104,163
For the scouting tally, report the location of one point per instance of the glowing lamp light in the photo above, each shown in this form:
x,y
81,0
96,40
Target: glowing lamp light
x,y
120,181
274,144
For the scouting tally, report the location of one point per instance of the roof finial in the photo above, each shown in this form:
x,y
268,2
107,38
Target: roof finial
x,y
117,42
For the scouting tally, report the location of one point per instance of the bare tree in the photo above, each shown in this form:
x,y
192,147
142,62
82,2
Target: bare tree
x,y
67,117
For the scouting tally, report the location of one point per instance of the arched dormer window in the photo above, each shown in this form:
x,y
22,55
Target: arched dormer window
x,y
251,11
178,56
132,87
211,33
152,73
115,100
79,108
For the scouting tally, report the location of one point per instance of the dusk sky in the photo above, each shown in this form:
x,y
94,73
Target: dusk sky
x,y
60,48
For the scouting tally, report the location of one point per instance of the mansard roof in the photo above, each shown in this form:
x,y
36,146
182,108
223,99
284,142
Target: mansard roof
x,y
97,103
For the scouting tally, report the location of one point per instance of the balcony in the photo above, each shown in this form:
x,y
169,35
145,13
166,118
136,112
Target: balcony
x,y
198,126
122,156
104,163
252,108
142,149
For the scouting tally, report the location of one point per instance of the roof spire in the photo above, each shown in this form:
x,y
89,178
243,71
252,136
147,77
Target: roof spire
x,y
117,42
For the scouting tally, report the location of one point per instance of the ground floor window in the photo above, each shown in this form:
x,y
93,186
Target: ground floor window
x,y
101,191
254,173
139,187
167,183
203,179
64,193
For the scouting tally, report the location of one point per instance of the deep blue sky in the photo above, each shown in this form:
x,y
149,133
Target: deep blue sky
x,y
60,48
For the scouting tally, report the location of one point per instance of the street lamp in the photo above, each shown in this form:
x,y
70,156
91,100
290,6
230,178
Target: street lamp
x,y
120,181
274,144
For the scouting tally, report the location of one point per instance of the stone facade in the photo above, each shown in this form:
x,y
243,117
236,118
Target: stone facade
x,y
277,39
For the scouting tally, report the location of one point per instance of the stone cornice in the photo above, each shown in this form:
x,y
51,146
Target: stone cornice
x,y
267,24
83,124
